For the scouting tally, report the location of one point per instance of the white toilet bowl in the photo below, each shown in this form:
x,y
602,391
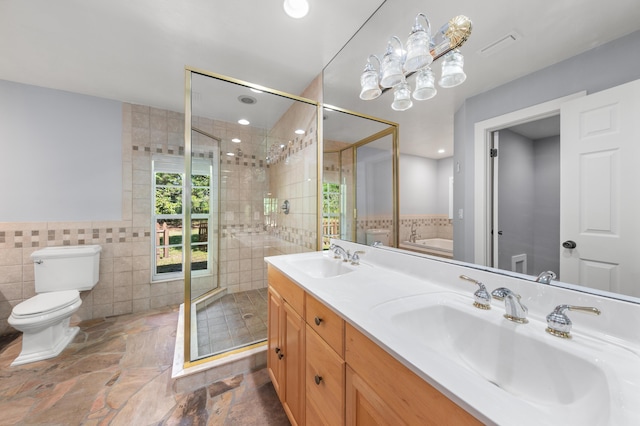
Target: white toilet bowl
x,y
44,322
60,274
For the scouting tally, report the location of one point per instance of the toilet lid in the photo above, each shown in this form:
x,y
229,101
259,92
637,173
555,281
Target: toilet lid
x,y
46,302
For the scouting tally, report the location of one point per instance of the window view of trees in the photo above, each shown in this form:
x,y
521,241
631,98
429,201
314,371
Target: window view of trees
x,y
330,213
168,213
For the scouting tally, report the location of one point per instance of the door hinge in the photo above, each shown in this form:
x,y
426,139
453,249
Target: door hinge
x,y
493,152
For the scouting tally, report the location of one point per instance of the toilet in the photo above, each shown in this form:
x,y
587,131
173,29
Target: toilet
x,y
378,235
61,273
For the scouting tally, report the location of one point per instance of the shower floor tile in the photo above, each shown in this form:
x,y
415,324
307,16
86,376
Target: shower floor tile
x,y
233,321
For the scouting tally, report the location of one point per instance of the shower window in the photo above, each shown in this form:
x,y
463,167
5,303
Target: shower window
x,y
331,202
168,217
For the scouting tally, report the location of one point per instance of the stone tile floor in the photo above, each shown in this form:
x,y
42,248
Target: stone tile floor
x,y
118,372
235,320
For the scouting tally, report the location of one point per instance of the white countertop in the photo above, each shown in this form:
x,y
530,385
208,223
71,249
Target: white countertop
x,y
385,276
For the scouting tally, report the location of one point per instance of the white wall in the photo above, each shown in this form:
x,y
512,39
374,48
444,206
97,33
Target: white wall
x,y
61,156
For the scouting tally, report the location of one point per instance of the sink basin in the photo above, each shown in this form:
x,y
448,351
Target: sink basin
x,y
569,380
323,267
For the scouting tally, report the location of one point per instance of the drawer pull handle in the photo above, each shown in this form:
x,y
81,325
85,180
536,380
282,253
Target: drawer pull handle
x,y
317,320
317,379
280,355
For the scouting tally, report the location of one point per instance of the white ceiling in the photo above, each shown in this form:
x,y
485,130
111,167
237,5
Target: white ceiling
x,y
136,51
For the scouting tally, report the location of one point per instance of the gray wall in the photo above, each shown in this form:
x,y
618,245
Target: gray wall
x,y
529,201
424,184
546,211
61,156
601,68
516,183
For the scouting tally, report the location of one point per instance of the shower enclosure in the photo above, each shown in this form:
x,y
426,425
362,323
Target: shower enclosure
x,y
248,149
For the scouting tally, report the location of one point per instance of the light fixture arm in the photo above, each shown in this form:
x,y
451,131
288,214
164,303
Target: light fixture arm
x,y
417,26
369,66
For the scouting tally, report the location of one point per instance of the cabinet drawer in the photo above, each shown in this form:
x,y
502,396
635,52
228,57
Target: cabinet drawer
x,y
326,323
325,382
288,290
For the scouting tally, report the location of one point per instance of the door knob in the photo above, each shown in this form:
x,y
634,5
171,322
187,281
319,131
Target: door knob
x,y
569,244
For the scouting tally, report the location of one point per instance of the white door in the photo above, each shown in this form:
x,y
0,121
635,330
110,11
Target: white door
x,y
600,190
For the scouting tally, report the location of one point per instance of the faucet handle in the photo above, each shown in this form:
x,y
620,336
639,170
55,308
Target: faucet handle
x,y
546,277
355,257
500,293
482,297
559,324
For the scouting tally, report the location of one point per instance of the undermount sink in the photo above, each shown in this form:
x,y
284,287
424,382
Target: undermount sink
x,y
571,381
323,267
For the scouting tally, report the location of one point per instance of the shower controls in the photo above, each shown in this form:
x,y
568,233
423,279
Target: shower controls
x,y
286,206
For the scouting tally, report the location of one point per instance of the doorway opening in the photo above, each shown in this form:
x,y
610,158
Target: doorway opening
x,y
525,197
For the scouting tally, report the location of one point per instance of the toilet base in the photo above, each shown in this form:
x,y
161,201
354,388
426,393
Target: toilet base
x,y
45,344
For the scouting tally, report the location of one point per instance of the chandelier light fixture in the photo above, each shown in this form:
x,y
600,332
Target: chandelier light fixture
x,y
422,49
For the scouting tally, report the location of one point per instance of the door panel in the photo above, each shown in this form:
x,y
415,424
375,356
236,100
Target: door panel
x,y
599,149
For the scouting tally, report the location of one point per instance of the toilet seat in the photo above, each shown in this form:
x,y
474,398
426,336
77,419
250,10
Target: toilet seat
x,y
45,303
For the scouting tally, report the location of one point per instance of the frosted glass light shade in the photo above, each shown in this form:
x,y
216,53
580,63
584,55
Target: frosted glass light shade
x,y
370,88
425,85
452,70
401,97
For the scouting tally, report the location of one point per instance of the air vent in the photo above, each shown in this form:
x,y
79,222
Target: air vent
x,y
502,43
247,100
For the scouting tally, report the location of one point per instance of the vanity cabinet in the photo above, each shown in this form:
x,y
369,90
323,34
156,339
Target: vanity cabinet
x,y
286,344
326,372
382,391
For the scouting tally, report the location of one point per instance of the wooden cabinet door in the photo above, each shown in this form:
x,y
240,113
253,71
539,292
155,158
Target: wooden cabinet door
x,y
294,364
274,344
324,382
364,406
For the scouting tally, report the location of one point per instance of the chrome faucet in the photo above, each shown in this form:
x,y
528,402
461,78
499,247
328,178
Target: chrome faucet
x,y
559,324
481,296
546,277
514,309
339,252
412,237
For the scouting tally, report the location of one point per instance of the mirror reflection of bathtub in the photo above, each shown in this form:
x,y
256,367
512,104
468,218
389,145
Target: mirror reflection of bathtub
x,y
433,246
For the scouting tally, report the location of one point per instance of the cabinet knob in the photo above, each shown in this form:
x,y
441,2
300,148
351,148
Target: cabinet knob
x,y
277,350
317,320
280,355
317,379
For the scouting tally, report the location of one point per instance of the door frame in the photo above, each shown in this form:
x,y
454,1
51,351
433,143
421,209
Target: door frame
x,y
482,166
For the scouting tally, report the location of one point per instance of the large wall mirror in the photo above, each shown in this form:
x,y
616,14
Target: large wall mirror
x,y
513,65
359,179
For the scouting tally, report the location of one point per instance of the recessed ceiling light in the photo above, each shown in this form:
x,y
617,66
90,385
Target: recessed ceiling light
x,y
236,140
299,132
244,122
296,8
441,151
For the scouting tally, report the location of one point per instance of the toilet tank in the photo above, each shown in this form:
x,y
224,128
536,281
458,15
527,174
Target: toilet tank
x,y
381,235
66,268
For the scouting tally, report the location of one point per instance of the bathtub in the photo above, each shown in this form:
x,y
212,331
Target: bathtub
x,y
433,246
